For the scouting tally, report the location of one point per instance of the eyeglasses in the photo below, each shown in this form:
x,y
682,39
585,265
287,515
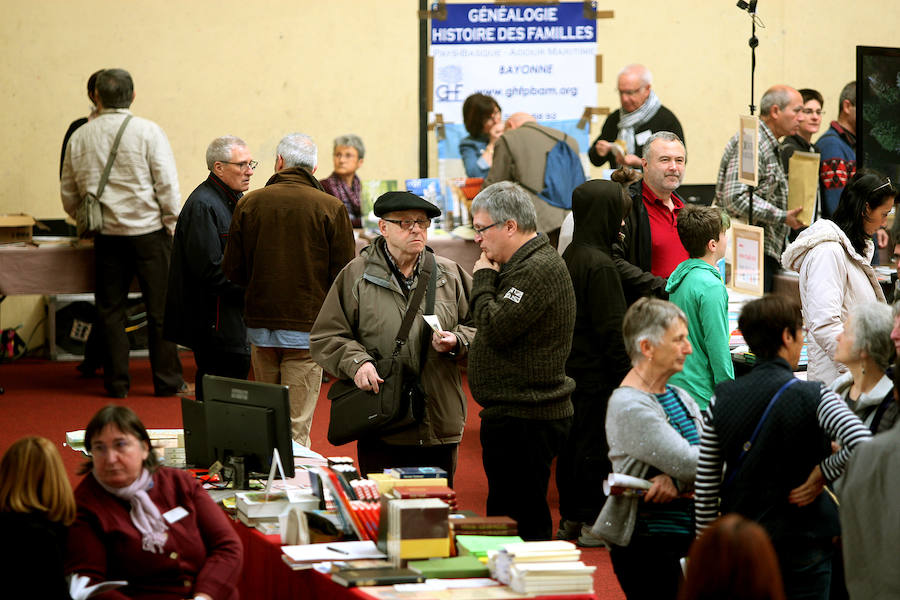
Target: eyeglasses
x,y
480,231
885,184
407,224
242,165
811,111
634,92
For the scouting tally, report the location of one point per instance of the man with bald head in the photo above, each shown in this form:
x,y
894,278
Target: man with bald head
x,y
622,139
520,156
780,113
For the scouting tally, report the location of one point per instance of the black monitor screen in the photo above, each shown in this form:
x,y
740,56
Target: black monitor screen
x,y
878,109
248,419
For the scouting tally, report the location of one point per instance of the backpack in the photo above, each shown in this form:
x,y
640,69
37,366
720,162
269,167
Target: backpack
x,y
562,174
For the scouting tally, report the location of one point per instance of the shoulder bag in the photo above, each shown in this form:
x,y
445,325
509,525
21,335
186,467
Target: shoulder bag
x,y
400,401
89,214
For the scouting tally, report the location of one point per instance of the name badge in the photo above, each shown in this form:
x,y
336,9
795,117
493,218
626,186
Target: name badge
x,y
175,515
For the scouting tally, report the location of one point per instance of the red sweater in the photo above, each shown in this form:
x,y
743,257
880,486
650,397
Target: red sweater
x,y
202,553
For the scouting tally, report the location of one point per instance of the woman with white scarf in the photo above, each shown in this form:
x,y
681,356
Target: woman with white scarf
x,y
154,527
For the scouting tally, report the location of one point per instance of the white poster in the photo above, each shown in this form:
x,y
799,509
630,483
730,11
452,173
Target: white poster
x,y
538,59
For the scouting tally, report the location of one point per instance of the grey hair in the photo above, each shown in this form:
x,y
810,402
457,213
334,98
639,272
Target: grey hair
x,y
847,93
648,319
352,140
506,201
298,150
642,72
872,323
666,136
779,96
220,149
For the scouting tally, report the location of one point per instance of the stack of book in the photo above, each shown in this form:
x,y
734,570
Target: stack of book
x,y
542,568
483,526
450,568
441,492
418,473
479,545
360,573
257,508
417,528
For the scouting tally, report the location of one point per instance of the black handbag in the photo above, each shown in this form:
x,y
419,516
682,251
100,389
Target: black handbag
x,y
400,401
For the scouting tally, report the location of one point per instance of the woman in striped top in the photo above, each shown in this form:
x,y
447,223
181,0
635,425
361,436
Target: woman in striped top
x,y
653,430
772,469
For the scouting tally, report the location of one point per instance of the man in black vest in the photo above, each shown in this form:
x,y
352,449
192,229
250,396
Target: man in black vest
x,y
778,481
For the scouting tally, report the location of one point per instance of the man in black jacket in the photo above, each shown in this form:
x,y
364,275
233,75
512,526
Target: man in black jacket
x,y
203,308
626,131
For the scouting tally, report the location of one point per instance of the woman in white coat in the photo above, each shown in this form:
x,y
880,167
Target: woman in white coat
x,y
833,257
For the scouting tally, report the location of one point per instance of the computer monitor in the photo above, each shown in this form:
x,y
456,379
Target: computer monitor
x,y
245,420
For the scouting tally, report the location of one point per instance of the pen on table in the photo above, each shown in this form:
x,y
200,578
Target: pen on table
x,y
338,550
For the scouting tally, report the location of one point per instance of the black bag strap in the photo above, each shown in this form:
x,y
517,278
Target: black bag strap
x,y
425,275
112,157
749,443
429,310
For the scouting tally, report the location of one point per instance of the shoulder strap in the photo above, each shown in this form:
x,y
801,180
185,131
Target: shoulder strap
x,y
425,277
429,310
112,157
749,443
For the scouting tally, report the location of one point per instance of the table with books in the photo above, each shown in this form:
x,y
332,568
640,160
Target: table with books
x,y
412,558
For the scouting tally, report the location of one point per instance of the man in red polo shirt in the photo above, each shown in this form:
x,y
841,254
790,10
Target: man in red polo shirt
x,y
651,249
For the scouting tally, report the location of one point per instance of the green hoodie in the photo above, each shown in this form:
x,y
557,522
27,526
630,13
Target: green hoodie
x,y
697,288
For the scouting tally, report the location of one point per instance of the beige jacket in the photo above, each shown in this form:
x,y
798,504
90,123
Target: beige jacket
x,y
141,194
360,318
520,155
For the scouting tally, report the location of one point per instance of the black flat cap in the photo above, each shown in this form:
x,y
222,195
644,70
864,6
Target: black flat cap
x,y
393,201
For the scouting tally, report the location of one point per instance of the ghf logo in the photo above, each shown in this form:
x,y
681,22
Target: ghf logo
x,y
451,84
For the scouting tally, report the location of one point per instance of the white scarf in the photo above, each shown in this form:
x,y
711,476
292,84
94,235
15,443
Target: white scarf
x,y
144,513
629,121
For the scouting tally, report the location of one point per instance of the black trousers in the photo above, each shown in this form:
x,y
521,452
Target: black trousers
x,y
374,456
649,567
214,361
118,259
517,454
583,462
770,267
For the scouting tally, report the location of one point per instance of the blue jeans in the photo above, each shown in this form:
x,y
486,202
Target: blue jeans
x,y
806,569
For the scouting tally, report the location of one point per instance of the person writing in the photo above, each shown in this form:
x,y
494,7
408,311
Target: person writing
x,y
152,526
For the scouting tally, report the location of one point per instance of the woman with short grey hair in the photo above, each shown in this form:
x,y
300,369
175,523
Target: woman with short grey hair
x,y
653,429
343,182
865,347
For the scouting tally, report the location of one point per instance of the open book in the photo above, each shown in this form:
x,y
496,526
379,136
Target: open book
x,y
80,590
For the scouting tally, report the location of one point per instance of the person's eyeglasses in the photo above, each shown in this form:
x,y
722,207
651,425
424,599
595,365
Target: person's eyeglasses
x,y
811,111
634,92
885,184
480,231
242,165
407,224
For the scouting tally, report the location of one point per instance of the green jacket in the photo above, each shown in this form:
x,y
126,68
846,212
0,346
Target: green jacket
x,y
697,288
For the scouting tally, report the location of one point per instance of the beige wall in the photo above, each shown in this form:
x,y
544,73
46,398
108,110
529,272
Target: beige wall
x,y
260,70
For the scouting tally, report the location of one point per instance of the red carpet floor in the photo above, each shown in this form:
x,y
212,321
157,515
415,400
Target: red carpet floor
x,y
50,398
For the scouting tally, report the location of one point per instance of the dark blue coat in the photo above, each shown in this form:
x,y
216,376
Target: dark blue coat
x,y
202,306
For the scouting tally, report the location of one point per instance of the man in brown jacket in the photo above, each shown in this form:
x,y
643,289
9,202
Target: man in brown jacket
x,y
287,243
520,156
360,319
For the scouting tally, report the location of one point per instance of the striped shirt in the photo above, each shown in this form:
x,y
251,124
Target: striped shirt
x,y
671,518
835,419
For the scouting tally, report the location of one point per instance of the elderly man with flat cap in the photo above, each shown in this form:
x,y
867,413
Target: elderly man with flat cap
x,y
361,316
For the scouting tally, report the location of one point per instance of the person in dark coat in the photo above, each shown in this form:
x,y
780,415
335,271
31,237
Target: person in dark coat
x,y
203,308
598,361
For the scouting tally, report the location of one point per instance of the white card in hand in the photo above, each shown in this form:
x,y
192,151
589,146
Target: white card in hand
x,y
433,322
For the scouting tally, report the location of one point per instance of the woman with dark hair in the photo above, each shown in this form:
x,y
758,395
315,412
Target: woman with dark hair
x,y
833,257
653,430
482,119
766,452
155,527
732,560
36,508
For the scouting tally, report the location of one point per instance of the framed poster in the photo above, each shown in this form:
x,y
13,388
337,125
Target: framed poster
x,y
748,150
747,258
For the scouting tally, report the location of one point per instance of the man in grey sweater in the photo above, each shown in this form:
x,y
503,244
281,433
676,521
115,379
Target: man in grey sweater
x,y
524,310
